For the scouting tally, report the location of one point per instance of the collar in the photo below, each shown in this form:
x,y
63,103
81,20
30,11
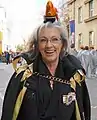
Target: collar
x,y
40,66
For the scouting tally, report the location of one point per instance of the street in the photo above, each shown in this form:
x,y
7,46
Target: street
x,y
5,74
92,87
7,70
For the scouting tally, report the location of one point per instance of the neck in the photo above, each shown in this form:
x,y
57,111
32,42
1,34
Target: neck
x,y
52,66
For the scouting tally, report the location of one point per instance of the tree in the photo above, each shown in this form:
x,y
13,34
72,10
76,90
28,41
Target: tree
x,y
20,47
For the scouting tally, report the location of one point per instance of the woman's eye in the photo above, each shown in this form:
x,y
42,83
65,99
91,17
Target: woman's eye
x,y
55,39
43,40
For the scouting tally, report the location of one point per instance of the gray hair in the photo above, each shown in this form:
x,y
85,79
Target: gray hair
x,y
33,40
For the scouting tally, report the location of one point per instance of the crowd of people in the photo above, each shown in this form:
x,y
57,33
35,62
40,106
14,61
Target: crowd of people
x,y
8,56
88,58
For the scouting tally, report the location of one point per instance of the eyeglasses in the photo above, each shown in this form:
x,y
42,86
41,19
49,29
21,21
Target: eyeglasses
x,y
53,40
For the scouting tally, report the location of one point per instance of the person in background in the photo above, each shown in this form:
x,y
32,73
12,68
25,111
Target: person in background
x,y
80,52
93,53
7,55
86,61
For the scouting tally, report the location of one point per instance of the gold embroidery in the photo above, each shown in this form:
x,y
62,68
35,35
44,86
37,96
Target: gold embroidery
x,y
15,62
28,70
26,74
73,84
21,68
78,117
79,77
18,103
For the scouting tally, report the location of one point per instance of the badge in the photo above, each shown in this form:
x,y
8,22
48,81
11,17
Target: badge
x,y
69,98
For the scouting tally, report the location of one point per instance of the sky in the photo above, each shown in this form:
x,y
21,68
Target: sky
x,y
23,16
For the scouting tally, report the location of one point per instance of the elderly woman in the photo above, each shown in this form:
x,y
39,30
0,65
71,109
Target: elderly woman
x,y
51,83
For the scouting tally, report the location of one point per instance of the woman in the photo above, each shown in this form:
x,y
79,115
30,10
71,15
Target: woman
x,y
49,86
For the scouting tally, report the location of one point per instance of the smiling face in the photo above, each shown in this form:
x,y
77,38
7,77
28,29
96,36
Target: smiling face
x,y
50,44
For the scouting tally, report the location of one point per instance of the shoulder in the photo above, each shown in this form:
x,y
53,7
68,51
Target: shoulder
x,y
18,61
74,59
22,59
74,62
21,65
79,76
72,67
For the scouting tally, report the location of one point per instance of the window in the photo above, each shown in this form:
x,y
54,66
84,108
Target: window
x,y
80,41
79,14
91,8
91,38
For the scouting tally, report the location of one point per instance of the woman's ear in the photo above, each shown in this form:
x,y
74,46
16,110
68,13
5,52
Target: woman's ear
x,y
64,44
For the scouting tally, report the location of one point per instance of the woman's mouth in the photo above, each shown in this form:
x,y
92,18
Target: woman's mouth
x,y
49,52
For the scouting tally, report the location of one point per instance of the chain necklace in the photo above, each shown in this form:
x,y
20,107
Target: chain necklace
x,y
52,78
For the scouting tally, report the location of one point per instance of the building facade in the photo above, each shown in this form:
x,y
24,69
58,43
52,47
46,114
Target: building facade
x,y
1,27
4,30
84,13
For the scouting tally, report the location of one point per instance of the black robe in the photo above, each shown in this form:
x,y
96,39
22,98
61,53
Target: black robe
x,y
40,101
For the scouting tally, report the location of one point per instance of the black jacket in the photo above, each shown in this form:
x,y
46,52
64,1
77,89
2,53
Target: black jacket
x,y
40,102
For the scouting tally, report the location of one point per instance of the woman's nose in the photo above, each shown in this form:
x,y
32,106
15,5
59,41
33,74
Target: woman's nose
x,y
49,43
